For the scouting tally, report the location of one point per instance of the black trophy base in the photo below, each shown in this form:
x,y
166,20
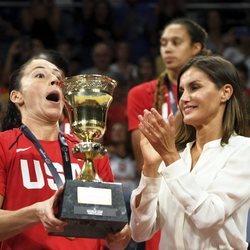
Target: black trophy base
x,y
92,209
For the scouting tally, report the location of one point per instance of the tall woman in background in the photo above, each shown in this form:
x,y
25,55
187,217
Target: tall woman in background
x,y
181,39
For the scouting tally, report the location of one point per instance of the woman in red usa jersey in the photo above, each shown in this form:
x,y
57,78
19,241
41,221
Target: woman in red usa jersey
x,y
28,190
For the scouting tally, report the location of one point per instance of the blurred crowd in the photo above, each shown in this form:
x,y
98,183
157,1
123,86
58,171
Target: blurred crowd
x,y
119,39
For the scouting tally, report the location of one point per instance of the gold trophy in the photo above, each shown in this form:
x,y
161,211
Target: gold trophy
x,y
91,207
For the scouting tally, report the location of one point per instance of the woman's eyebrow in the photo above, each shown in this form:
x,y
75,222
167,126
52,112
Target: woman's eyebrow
x,y
36,67
42,67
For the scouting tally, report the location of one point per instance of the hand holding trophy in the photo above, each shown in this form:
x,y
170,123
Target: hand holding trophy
x,y
91,207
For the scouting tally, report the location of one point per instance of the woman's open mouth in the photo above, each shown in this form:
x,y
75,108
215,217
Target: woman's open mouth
x,y
53,96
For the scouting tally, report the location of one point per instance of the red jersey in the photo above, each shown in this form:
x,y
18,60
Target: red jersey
x,y
25,179
141,97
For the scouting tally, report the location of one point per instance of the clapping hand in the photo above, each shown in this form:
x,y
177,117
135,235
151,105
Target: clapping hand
x,y
160,143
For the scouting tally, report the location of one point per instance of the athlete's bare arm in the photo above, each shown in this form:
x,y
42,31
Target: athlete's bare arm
x,y
14,222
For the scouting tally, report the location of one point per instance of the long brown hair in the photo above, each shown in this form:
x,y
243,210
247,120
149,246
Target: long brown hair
x,y
221,72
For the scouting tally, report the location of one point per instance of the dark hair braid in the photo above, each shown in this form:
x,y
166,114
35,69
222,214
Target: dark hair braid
x,y
159,95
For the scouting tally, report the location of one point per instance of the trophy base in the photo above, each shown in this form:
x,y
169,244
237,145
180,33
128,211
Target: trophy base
x,y
92,209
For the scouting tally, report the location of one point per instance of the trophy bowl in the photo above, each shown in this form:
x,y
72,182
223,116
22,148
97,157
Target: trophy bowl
x,y
88,98
91,207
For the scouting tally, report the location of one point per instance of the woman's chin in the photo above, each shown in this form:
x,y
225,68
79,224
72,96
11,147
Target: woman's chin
x,y
53,117
188,121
